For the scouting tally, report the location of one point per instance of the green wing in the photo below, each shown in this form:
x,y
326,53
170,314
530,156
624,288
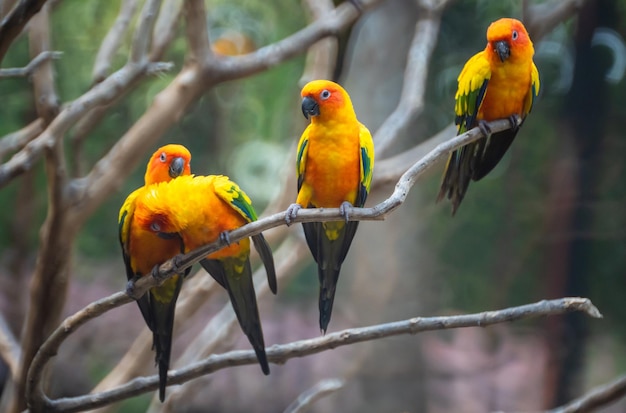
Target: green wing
x,y
367,165
533,92
472,82
231,193
124,220
303,147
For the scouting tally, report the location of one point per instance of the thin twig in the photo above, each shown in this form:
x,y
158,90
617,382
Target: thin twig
x,y
113,39
599,396
165,28
322,389
415,75
235,67
143,34
11,26
321,58
197,32
31,66
280,354
16,140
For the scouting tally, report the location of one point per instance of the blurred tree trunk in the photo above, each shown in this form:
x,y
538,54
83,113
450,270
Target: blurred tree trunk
x,y
575,178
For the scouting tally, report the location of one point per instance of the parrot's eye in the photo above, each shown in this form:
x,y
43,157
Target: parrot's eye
x,y
155,227
163,157
325,94
514,35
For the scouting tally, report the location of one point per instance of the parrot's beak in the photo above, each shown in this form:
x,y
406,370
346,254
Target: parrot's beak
x,y
176,167
503,50
310,107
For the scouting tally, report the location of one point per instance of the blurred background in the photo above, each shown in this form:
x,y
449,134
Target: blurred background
x,y
548,222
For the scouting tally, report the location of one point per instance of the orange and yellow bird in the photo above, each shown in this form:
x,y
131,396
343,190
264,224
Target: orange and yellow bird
x,y
142,250
198,210
497,83
334,163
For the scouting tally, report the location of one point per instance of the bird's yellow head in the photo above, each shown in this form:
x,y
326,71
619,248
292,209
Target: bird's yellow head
x,y
167,163
323,99
155,209
507,39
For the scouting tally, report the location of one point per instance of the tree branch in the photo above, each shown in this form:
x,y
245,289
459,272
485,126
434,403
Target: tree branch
x,y
235,67
415,75
31,66
599,396
280,354
113,40
143,34
12,25
322,389
18,139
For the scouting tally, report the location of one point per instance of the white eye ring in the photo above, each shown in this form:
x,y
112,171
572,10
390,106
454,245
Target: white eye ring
x,y
163,157
514,36
155,227
325,94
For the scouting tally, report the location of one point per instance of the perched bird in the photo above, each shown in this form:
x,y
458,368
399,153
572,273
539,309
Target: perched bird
x,y
335,160
197,210
497,83
142,250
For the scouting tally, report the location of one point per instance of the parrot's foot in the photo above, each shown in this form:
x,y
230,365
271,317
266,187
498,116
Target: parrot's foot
x,y
344,209
130,288
484,128
292,212
516,121
225,238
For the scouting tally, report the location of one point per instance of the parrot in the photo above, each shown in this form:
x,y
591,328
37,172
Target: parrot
x,y
198,210
334,165
142,251
499,82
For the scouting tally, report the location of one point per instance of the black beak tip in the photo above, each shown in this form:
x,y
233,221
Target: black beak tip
x,y
503,50
176,167
310,107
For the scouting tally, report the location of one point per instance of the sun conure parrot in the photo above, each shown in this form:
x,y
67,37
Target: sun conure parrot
x,y
143,250
497,83
197,210
334,163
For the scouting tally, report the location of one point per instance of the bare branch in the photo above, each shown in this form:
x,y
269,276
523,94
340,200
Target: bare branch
x,y
12,25
51,346
46,99
415,75
9,347
280,354
197,33
235,67
322,56
322,389
113,39
16,140
143,34
599,396
101,94
165,28
31,66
